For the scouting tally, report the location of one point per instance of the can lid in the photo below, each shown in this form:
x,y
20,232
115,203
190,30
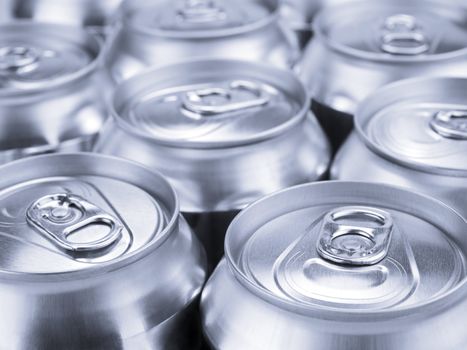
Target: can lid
x,y
195,17
34,55
350,247
66,213
394,30
210,103
420,123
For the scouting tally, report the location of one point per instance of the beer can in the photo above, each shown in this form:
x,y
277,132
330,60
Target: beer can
x,y
97,16
49,89
340,266
95,255
414,134
361,46
154,33
223,132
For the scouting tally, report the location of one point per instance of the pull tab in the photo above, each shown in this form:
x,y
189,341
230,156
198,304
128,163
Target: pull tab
x,y
201,11
450,124
21,58
402,36
355,236
216,101
61,215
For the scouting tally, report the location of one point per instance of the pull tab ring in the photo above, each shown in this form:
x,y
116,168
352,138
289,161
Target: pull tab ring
x,y
18,57
364,243
450,124
198,101
201,11
60,215
402,36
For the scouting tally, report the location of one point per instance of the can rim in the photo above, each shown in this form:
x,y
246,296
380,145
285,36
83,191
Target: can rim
x,y
299,116
417,311
112,265
58,82
334,45
399,85
125,9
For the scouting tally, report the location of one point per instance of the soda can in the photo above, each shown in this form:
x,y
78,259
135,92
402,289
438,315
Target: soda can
x,y
95,255
340,266
414,134
154,33
94,15
361,46
223,132
49,89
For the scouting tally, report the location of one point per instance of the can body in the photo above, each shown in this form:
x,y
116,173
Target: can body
x,y
50,89
420,157
345,63
244,306
94,15
137,46
217,156
104,292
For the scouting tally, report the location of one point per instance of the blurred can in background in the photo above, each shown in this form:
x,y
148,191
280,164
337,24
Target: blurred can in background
x,y
340,266
96,15
414,134
49,89
161,32
95,255
223,132
361,46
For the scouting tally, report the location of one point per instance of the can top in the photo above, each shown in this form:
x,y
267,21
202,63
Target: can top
x,y
211,103
197,18
395,31
79,213
38,55
420,123
339,249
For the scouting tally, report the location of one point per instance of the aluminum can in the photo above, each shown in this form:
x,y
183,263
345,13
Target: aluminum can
x,y
361,46
154,33
97,16
95,255
340,266
223,132
414,134
49,89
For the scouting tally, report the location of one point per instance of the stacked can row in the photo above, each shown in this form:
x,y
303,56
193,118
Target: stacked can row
x,y
220,105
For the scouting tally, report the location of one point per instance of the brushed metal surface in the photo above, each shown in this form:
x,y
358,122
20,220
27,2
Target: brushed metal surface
x,y
140,292
274,291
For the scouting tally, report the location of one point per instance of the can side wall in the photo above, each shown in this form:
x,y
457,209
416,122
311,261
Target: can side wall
x,y
131,52
234,318
141,301
342,81
355,162
225,179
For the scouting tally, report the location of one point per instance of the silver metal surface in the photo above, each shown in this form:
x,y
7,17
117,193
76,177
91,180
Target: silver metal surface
x,y
97,16
427,38
63,214
162,32
413,134
274,289
49,89
361,46
223,132
95,255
